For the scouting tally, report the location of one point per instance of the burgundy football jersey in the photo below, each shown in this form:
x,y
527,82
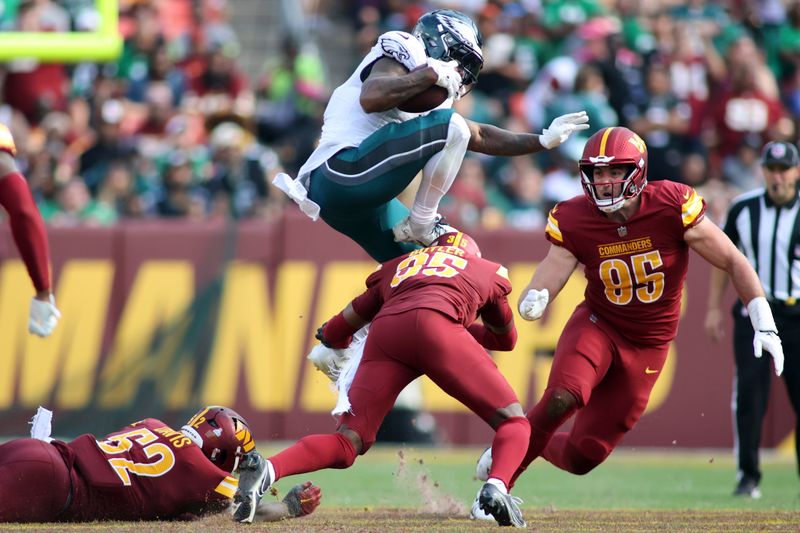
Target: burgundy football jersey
x,y
145,471
635,270
456,283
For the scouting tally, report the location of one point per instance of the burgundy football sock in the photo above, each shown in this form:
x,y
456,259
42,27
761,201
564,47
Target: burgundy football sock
x,y
313,453
508,447
543,425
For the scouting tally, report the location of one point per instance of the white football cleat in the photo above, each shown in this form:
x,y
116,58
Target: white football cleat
x,y
404,231
484,465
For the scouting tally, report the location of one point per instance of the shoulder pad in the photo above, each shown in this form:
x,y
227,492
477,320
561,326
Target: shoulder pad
x,y
403,48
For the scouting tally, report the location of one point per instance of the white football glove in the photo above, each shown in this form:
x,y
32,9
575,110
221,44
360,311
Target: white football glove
x,y
449,78
329,361
44,317
532,306
766,332
562,127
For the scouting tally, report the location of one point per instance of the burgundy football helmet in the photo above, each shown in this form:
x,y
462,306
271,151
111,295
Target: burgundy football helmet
x,y
460,240
222,434
614,146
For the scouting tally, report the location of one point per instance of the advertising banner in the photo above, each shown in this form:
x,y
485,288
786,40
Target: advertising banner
x,y
160,318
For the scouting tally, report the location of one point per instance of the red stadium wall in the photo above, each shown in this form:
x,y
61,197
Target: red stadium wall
x,y
162,317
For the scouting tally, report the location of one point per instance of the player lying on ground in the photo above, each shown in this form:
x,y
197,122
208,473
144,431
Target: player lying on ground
x,y
423,308
145,471
633,239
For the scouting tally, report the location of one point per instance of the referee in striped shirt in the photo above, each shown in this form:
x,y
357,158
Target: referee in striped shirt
x,y
765,225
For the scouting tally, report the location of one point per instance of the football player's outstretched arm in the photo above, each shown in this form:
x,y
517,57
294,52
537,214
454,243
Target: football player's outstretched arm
x,y
338,331
302,500
390,83
497,331
715,247
27,228
548,279
488,139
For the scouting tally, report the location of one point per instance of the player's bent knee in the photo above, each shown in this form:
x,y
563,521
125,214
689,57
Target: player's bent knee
x,y
588,454
559,402
502,414
355,440
458,131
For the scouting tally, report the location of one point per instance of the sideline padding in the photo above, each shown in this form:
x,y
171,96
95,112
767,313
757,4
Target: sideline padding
x,y
105,44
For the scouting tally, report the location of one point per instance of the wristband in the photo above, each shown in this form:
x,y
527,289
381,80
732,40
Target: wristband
x,y
761,315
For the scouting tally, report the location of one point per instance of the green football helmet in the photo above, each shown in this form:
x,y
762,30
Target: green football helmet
x,y
451,35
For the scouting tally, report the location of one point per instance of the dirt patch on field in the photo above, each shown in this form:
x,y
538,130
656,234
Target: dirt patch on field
x,y
382,520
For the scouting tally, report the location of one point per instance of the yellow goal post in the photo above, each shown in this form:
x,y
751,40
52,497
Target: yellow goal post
x,y
104,44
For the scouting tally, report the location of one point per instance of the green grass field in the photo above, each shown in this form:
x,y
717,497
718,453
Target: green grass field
x,y
627,480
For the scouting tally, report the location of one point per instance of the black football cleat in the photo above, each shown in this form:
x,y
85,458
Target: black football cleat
x,y
254,482
503,507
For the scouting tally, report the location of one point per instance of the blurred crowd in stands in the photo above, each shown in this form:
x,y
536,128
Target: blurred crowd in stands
x,y
175,128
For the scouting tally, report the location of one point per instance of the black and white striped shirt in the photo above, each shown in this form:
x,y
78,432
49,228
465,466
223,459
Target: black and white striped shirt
x,y
769,236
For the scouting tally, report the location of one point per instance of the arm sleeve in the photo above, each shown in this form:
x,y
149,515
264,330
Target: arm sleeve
x,y
367,304
490,340
27,228
495,313
338,333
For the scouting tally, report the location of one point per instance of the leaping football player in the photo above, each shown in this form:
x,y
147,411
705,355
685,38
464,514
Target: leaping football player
x,y
370,150
633,239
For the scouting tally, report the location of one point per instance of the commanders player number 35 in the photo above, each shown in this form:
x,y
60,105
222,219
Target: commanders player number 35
x,y
439,264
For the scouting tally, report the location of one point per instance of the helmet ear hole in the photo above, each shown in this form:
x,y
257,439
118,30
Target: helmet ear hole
x,y
221,434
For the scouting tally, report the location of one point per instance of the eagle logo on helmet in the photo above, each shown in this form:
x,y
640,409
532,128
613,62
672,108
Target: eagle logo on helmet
x,y
222,434
611,147
451,35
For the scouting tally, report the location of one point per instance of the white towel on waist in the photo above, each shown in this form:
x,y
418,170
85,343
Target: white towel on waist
x,y
295,190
